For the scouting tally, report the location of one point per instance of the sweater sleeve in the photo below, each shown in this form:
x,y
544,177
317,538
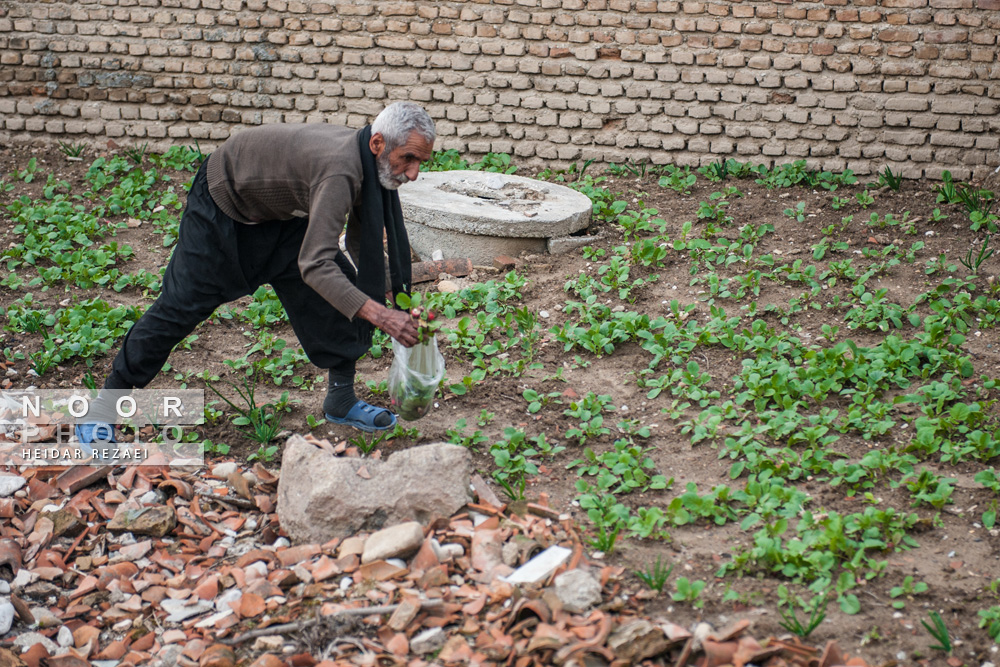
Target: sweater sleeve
x,y
329,205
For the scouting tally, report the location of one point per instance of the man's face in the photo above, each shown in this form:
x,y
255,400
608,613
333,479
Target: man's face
x,y
401,164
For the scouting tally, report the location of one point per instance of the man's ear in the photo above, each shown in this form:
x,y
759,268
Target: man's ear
x,y
377,144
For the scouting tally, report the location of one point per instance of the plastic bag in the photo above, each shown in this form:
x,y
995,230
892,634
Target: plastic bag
x,y
414,377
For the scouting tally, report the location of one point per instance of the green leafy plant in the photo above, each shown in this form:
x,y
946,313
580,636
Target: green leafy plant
x,y
938,631
990,619
864,199
908,589
448,160
28,173
689,591
678,179
716,171
605,538
798,213
457,436
496,162
946,191
655,575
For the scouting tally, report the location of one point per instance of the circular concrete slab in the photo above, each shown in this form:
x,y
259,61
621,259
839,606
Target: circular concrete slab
x,y
481,215
491,204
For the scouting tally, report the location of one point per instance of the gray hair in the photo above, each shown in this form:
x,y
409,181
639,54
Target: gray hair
x,y
398,120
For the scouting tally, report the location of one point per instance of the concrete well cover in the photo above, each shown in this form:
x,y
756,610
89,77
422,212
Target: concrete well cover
x,y
491,204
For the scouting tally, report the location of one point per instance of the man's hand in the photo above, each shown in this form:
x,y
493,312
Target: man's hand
x,y
396,323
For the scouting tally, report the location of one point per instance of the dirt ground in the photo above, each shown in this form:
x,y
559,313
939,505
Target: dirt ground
x,y
957,557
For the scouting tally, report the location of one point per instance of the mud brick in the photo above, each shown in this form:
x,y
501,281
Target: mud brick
x,y
504,263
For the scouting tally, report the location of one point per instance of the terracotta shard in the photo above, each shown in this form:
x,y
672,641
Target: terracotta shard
x,y
177,487
10,555
238,483
733,631
217,655
10,659
832,655
79,477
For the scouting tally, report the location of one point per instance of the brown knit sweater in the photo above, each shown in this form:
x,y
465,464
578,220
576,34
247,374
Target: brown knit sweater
x,y
278,172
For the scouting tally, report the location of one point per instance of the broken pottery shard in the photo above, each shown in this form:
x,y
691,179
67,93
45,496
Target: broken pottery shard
x,y
540,567
393,542
638,640
179,610
321,497
428,641
404,615
153,521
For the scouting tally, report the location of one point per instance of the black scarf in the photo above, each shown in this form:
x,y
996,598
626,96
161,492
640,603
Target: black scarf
x,y
378,209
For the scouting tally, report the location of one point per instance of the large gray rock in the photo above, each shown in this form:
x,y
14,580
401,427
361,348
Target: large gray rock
x,y
321,497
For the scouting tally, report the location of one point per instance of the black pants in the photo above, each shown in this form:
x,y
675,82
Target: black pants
x,y
218,260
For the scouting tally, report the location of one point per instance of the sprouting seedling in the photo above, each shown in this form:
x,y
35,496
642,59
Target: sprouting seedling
x,y
73,150
137,153
655,575
938,632
891,179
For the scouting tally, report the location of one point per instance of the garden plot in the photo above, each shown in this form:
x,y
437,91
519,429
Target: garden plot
x,y
778,383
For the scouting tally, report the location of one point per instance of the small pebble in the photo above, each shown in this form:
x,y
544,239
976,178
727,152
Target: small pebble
x,y
6,617
223,470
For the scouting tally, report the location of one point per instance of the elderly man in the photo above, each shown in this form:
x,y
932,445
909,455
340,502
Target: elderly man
x,y
269,207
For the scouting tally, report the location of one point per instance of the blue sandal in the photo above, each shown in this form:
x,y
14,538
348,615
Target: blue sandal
x,y
95,432
362,417
92,432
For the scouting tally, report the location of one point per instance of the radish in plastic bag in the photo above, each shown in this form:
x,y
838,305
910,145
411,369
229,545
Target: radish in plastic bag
x,y
414,377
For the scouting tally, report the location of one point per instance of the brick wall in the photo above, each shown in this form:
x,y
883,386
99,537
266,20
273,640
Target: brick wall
x,y
843,83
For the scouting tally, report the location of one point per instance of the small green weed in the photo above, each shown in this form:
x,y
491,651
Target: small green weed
x,y
890,179
73,150
788,606
655,575
939,632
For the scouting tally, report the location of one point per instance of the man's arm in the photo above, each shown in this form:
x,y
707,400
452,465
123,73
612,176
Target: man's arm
x,y
328,211
328,208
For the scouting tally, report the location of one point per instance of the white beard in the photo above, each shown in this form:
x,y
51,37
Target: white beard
x,y
386,178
